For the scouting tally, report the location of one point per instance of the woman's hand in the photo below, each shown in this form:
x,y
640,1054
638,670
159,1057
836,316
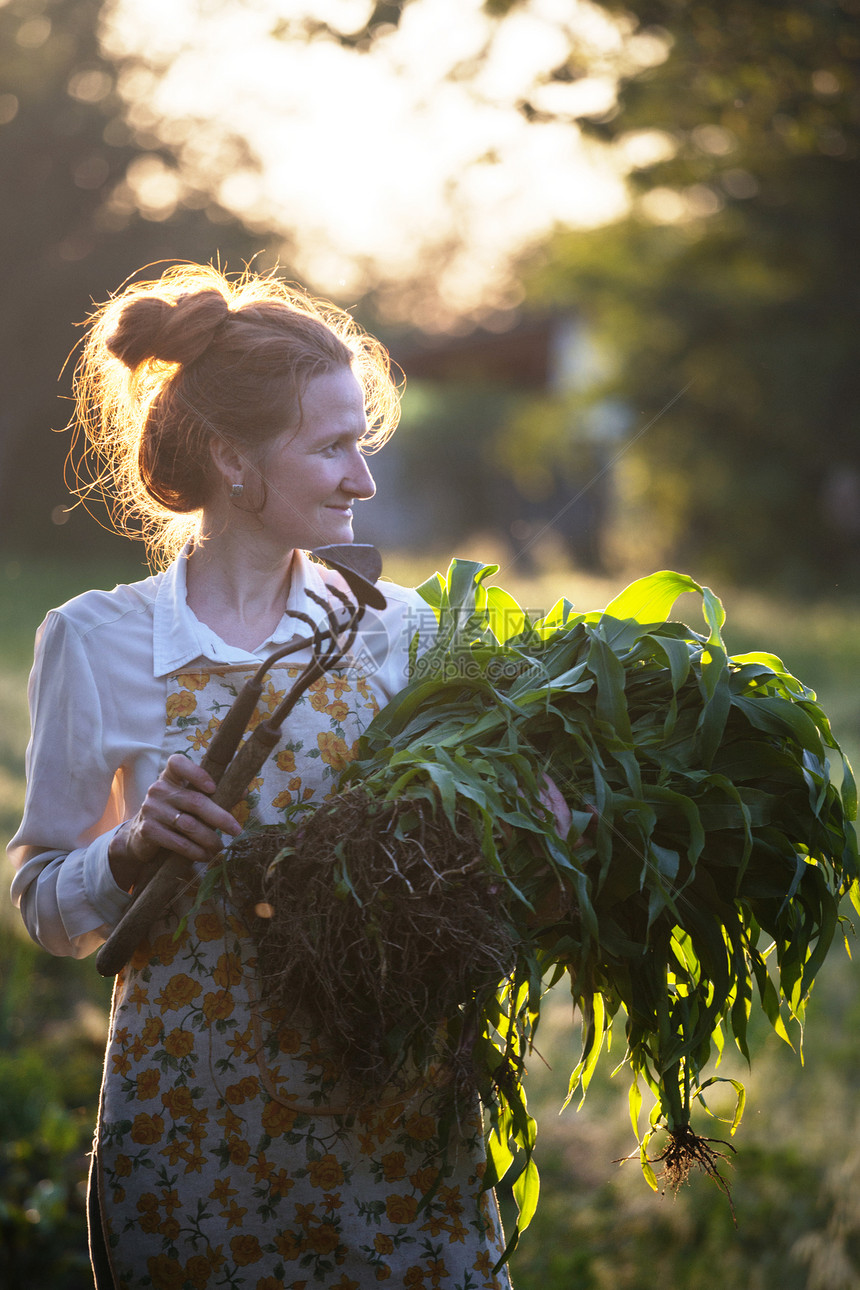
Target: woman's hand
x,y
178,815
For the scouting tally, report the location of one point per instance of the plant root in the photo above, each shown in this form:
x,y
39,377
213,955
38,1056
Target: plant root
x,y
686,1151
383,922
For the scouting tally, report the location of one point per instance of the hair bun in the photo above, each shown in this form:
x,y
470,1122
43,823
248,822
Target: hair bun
x,y
172,331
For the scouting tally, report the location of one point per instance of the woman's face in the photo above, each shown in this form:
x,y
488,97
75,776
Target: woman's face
x,y
313,475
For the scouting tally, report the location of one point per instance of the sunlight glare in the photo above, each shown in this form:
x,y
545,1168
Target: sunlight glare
x,y
372,164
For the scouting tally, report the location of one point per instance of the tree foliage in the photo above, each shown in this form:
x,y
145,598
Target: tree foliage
x,y
71,230
735,279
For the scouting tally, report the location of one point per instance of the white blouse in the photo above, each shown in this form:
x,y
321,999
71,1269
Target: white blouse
x,y
97,707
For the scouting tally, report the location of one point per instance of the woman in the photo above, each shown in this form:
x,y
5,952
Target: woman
x,y
233,418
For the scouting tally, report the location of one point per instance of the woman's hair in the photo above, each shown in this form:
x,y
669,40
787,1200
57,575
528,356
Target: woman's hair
x,y
168,365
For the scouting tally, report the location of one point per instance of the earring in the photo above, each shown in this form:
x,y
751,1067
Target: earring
x,y
236,490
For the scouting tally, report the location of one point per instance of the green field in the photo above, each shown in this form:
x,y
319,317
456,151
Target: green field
x,y
795,1178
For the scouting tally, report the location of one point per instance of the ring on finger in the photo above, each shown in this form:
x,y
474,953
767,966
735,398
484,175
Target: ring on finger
x,y
176,821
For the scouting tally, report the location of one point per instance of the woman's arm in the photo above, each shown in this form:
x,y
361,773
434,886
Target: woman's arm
x,y
64,885
99,807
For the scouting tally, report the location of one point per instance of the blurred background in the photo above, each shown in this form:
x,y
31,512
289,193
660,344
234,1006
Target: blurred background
x,y
614,249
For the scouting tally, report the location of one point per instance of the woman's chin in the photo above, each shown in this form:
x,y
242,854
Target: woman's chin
x,y
338,533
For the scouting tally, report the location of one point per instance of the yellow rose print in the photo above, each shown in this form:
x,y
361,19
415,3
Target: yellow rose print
x,y
153,1029
325,1172
178,992
147,1128
218,1005
401,1209
323,1239
197,1271
246,1249
178,1102
180,705
334,750
166,1272
319,701
209,926
278,1119
179,1043
193,680
147,1084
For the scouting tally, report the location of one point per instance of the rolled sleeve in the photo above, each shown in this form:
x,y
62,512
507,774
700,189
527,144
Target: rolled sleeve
x,y
63,885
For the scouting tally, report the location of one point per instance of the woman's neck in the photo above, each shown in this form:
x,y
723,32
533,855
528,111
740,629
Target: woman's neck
x,y
238,589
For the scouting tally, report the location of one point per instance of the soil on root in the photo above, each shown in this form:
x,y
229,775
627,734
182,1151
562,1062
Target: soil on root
x,y
384,922
686,1151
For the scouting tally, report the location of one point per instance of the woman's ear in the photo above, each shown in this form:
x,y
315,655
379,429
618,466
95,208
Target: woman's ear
x,y
238,478
230,465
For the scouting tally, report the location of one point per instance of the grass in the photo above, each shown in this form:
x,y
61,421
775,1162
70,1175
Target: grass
x,y
598,1225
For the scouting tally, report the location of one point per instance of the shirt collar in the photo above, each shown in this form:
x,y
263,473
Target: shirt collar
x,y
179,638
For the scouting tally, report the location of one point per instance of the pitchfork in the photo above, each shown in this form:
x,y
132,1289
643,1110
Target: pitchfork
x,y
232,771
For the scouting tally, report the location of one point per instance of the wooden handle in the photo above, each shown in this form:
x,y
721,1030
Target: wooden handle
x,y
163,887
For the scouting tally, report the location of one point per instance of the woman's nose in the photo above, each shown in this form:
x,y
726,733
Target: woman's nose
x,y
359,482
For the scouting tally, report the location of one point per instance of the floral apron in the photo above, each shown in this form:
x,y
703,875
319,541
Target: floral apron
x,y
225,1156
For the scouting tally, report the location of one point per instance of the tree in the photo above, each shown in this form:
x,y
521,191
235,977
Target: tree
x,y
737,281
75,221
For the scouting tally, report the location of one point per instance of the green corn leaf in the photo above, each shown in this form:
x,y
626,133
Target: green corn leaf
x,y
526,1191
740,1100
506,618
634,1101
650,600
